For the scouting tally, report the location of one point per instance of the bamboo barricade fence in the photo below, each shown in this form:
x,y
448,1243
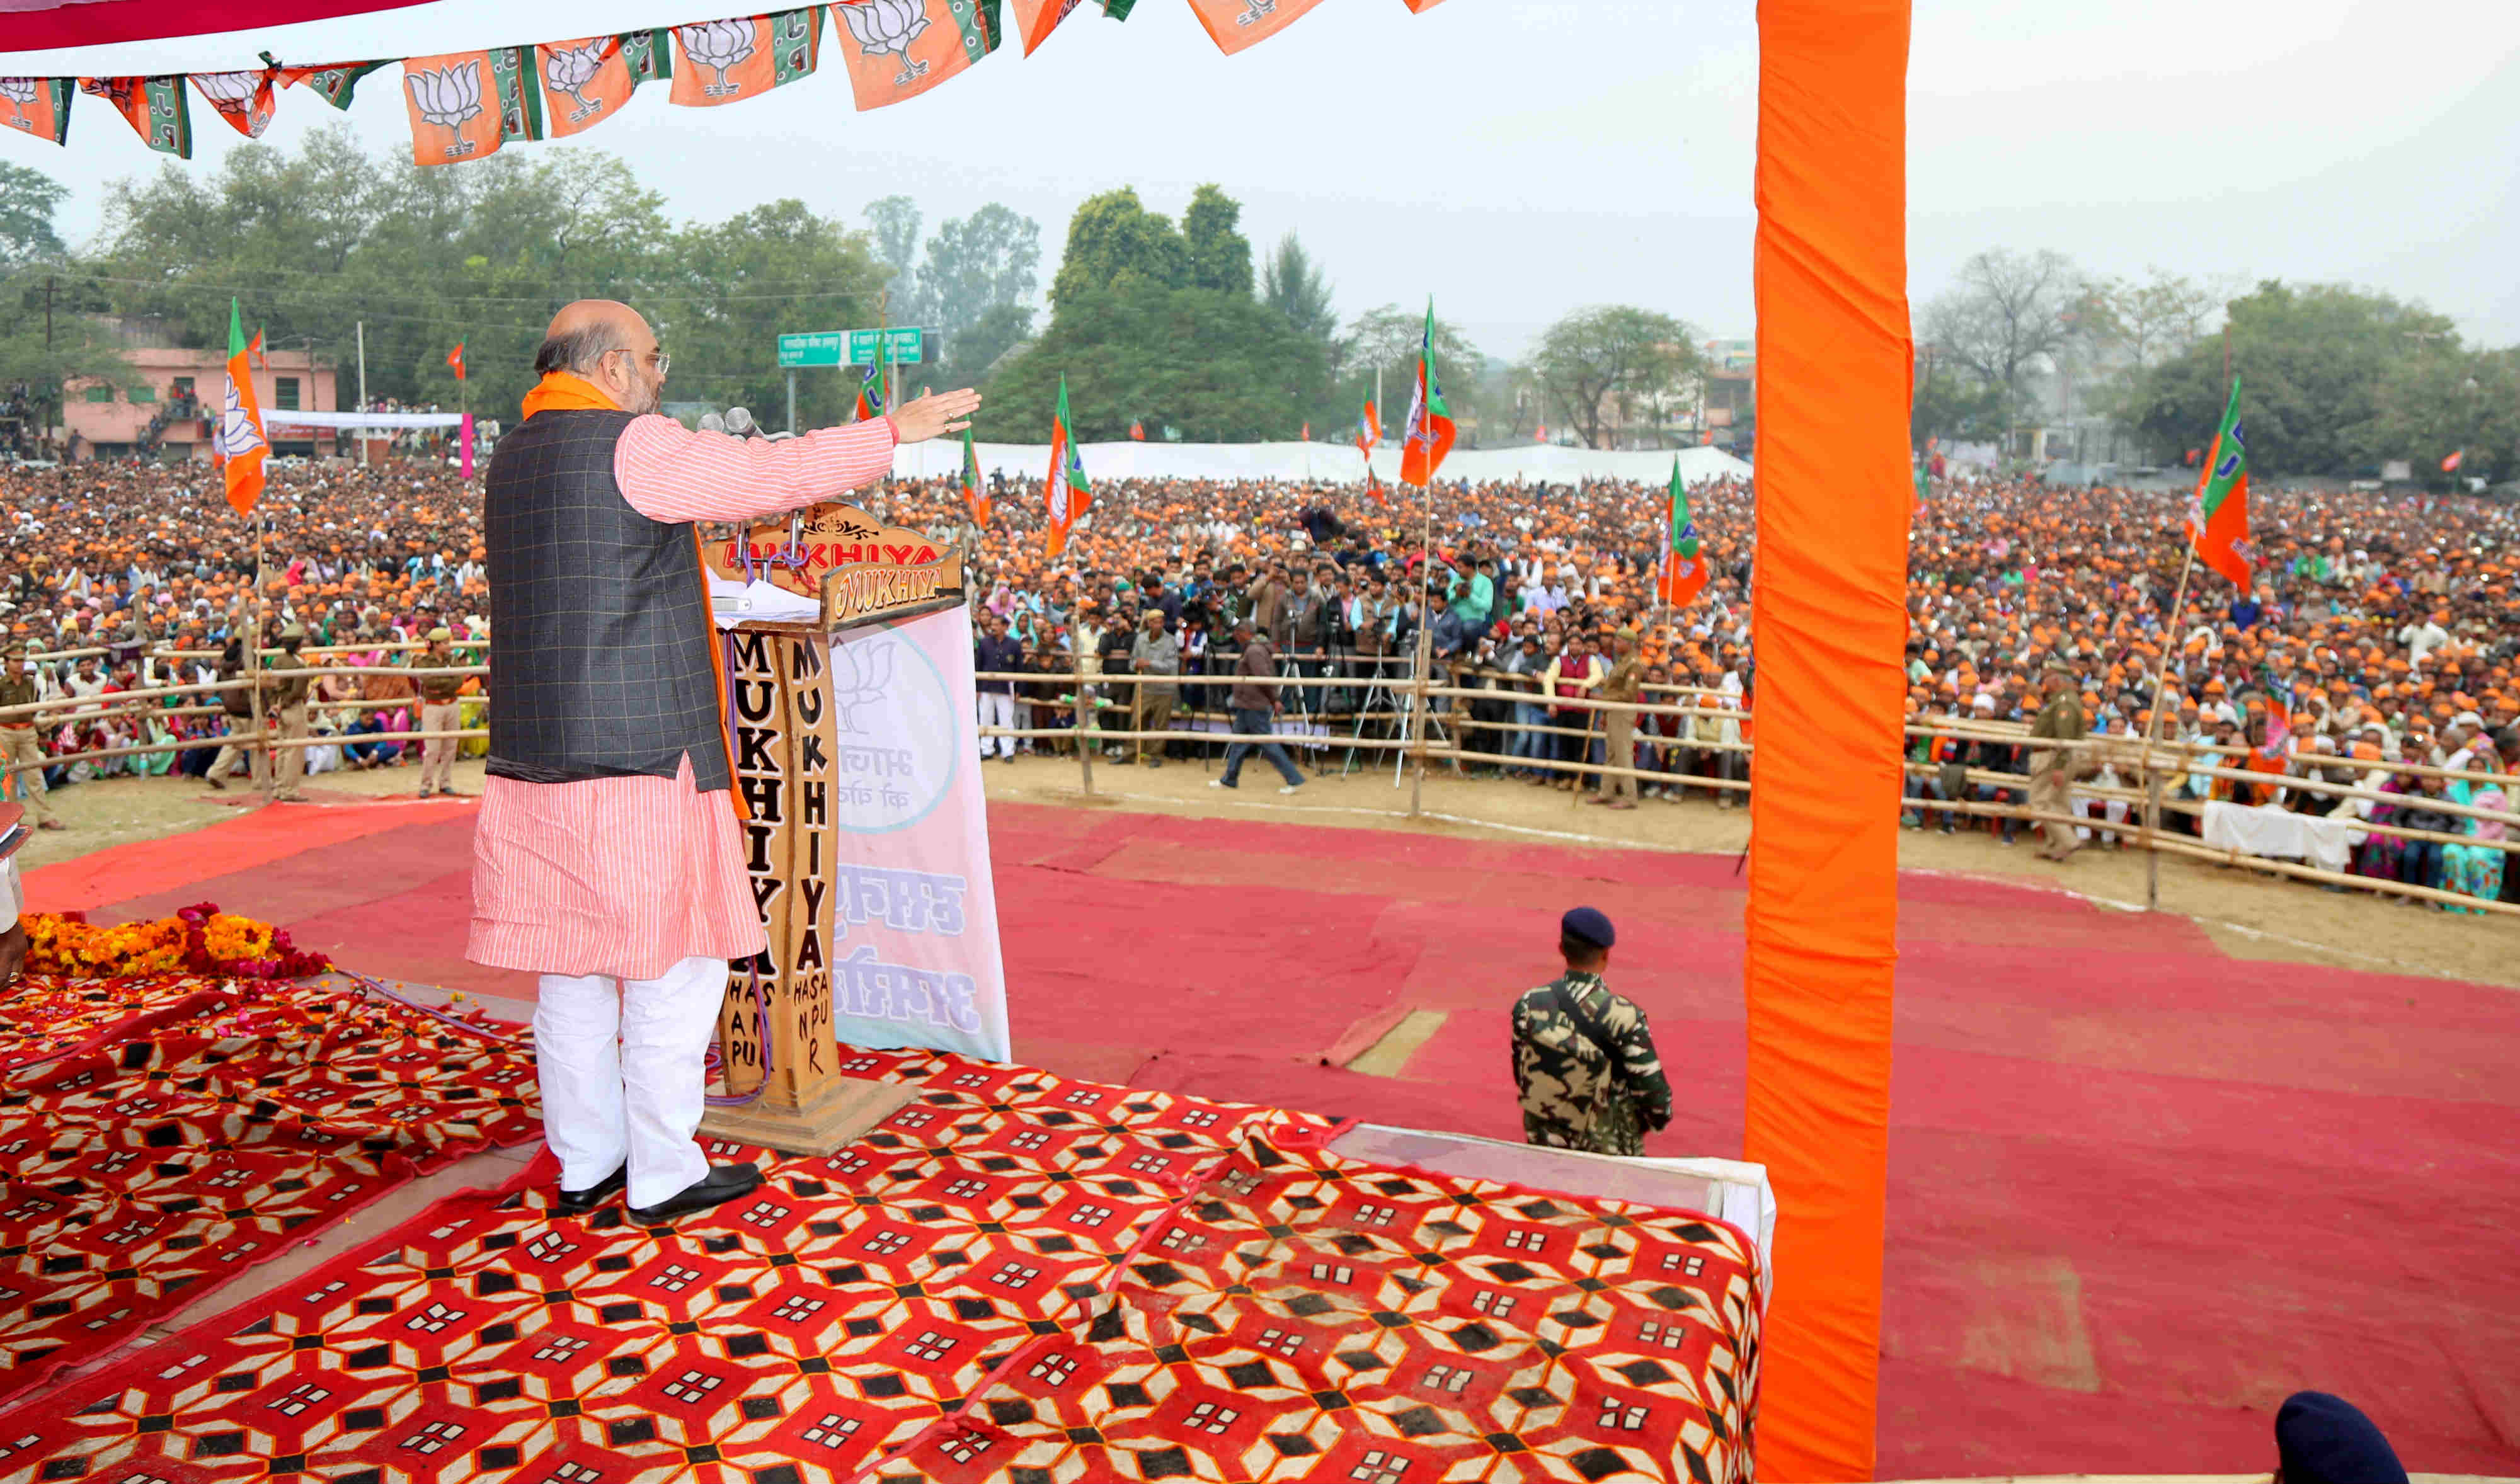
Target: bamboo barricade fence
x,y
1090,685
2173,757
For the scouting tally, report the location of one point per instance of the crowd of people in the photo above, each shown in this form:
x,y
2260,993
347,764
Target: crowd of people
x,y
2381,635
146,569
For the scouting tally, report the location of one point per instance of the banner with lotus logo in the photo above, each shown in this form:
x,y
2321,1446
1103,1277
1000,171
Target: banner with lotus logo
x,y
242,98
465,105
905,47
729,60
583,82
37,106
153,107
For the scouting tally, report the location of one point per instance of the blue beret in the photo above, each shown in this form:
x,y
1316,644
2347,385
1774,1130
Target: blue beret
x,y
2324,1439
1587,923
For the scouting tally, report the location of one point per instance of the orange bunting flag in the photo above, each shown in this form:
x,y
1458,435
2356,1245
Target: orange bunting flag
x,y
37,106
242,98
1234,24
335,84
153,107
241,446
1035,19
583,84
465,105
1420,7
729,60
899,50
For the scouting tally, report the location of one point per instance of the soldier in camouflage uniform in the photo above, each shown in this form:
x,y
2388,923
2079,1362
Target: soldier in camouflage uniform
x,y
1583,1057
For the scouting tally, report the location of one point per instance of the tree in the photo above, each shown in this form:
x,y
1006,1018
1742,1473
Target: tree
x,y
27,200
972,353
1597,367
987,260
894,221
1222,367
2314,361
1219,256
2444,400
2005,314
2145,322
1292,284
1114,242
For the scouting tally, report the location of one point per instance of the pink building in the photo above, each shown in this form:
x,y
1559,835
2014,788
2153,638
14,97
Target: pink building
x,y
175,409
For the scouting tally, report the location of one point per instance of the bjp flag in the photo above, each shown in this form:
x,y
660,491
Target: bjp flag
x,y
1234,24
729,60
37,106
1420,7
901,52
153,107
240,444
335,84
1065,493
583,84
648,55
465,105
242,98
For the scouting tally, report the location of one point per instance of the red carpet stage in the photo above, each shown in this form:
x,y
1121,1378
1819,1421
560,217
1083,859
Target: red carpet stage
x,y
1124,1286
2140,1190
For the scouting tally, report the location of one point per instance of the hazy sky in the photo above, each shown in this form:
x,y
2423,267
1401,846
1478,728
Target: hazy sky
x,y
1518,158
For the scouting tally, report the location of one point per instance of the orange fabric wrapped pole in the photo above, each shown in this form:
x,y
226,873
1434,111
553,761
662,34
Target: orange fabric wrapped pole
x,y
1834,495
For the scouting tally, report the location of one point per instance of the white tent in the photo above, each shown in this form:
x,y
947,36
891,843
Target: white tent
x,y
1320,463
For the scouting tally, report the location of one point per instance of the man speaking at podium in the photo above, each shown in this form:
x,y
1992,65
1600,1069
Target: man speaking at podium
x,y
607,857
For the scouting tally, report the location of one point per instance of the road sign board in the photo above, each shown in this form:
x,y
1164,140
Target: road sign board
x,y
816,348
903,344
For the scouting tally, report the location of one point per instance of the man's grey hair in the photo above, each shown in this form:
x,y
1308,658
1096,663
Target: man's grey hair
x,y
577,351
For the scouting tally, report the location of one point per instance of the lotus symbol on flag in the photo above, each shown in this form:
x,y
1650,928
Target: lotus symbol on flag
x,y
238,95
237,433
1257,11
450,98
719,44
567,69
19,91
888,26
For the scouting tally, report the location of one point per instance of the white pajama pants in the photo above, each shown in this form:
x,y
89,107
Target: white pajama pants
x,y
621,1065
997,710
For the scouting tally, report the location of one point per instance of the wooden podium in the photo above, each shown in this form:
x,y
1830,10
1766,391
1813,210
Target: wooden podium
x,y
776,1030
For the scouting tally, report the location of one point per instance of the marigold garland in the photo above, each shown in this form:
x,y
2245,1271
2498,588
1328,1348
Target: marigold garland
x,y
199,939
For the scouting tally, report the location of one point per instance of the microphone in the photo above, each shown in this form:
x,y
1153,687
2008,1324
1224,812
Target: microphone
x,y
711,423
738,422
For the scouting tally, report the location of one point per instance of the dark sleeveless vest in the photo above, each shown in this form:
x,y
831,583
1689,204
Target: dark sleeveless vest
x,y
601,640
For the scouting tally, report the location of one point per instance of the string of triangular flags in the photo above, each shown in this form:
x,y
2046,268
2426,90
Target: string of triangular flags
x,y
465,105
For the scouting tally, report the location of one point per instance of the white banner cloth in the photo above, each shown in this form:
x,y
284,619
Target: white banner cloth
x,y
2264,830
1320,463
911,892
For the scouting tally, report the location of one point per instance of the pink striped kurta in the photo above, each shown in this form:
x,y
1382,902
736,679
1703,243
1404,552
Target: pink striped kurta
x,y
627,877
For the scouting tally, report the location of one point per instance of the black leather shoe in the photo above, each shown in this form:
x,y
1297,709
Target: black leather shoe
x,y
579,1202
724,1183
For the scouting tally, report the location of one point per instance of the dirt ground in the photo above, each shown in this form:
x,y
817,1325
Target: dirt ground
x,y
2251,915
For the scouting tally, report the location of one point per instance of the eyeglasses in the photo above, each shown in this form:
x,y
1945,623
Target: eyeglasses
x,y
657,358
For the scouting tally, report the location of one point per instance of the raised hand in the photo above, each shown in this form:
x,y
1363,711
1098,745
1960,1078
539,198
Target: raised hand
x,y
934,414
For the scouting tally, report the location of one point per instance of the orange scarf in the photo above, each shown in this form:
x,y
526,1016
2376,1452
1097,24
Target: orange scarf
x,y
560,391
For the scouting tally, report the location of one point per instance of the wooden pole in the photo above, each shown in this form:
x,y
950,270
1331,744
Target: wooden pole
x,y
1425,647
270,768
2171,645
1084,708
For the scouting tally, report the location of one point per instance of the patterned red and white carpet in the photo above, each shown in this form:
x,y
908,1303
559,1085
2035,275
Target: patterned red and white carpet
x,y
160,1135
1018,1276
